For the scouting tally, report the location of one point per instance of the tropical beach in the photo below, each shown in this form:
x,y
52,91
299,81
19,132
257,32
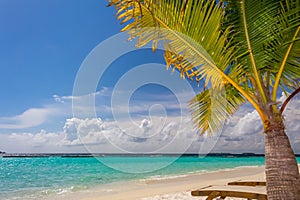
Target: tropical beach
x,y
169,188
81,178
149,99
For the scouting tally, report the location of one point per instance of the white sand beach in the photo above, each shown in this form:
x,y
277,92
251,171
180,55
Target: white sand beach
x,y
170,188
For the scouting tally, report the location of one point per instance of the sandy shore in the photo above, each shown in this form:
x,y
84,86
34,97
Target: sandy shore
x,y
171,188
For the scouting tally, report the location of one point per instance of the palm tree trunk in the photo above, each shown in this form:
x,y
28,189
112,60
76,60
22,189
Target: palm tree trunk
x,y
282,173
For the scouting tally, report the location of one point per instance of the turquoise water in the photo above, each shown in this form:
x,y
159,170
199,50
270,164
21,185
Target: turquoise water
x,y
33,178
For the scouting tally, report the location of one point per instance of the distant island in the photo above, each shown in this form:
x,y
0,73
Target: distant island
x,y
115,154
72,155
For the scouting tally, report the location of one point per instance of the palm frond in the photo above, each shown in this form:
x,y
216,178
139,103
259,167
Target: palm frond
x,y
273,31
191,29
211,108
196,43
286,51
253,24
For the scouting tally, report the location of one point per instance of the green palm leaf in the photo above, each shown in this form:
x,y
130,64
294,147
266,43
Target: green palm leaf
x,y
273,34
285,54
195,43
251,46
211,108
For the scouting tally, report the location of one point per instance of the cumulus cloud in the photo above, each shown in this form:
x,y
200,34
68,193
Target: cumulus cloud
x,y
174,134
95,135
31,142
143,137
83,132
245,130
292,121
249,124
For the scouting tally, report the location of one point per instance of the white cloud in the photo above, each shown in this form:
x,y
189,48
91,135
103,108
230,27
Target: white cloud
x,y
244,133
292,121
62,99
31,142
145,136
282,98
89,105
62,106
30,118
105,136
249,124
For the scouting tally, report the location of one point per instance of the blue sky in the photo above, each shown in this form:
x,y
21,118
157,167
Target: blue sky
x,y
43,47
43,44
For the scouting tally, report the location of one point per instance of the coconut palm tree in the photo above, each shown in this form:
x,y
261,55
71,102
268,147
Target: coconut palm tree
x,y
243,51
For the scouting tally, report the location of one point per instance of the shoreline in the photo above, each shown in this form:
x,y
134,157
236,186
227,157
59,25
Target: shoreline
x,y
164,188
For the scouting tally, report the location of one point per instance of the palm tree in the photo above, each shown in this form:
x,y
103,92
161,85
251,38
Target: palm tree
x,y
243,51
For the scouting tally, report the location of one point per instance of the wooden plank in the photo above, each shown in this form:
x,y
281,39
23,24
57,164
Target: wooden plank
x,y
248,183
249,192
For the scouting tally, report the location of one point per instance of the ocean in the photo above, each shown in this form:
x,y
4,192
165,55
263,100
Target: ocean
x,y
39,177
